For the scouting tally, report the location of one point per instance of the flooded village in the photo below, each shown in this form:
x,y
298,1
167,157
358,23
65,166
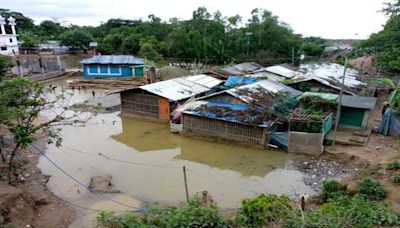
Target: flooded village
x,y
102,136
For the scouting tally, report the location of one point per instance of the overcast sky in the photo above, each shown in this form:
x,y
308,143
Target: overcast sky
x,y
325,18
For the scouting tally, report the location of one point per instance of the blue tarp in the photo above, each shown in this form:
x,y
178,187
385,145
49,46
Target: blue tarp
x,y
233,81
390,124
280,139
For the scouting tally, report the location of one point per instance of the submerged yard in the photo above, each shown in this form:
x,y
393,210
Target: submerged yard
x,y
145,161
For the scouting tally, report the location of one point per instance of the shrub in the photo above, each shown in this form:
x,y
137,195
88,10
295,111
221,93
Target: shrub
x,y
331,189
372,189
266,209
354,211
396,178
393,165
192,214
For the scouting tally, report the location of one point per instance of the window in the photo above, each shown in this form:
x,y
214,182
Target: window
x,y
11,40
4,48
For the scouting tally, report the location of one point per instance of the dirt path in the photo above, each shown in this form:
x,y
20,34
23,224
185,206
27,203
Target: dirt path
x,y
31,203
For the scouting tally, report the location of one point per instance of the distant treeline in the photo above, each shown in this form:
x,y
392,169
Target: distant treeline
x,y
207,36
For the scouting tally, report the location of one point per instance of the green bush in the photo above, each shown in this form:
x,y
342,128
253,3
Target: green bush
x,y
264,211
331,189
354,211
107,219
267,209
192,214
372,189
394,166
396,178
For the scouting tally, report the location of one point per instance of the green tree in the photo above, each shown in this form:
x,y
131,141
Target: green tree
x,y
28,41
76,39
148,50
23,23
50,29
5,65
385,44
21,102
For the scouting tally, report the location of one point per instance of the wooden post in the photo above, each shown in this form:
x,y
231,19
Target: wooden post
x,y
339,106
186,186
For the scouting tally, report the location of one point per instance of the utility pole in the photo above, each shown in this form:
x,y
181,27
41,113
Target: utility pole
x,y
293,56
186,185
338,111
248,34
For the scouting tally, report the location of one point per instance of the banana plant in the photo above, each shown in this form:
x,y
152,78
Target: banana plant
x,y
394,98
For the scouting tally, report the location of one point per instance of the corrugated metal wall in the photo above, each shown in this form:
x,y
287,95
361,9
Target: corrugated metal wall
x,y
221,129
139,104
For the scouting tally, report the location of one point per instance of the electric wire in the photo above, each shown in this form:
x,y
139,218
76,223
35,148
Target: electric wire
x,y
163,166
135,209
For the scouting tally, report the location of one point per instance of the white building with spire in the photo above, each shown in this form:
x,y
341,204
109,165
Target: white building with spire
x,y
8,42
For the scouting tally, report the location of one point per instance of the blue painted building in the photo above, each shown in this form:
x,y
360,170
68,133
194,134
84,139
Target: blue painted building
x,y
112,66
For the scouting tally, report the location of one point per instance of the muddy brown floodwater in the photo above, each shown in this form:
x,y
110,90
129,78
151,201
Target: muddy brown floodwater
x,y
146,161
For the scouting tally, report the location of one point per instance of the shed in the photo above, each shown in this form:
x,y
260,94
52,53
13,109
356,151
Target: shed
x,y
112,66
355,111
223,120
158,100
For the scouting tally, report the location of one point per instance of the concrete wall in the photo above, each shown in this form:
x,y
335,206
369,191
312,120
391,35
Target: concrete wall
x,y
306,143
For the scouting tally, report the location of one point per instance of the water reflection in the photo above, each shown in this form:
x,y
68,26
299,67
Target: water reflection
x,y
224,169
147,136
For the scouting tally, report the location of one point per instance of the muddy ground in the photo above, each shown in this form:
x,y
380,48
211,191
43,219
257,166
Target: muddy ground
x,y
30,203
373,160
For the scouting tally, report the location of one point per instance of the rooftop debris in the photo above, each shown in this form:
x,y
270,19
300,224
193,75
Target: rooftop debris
x,y
317,106
108,84
263,108
267,85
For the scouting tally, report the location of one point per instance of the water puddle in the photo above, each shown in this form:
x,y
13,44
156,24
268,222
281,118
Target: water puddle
x,y
146,161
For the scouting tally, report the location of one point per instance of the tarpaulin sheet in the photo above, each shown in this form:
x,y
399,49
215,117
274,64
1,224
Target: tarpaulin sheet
x,y
390,124
280,139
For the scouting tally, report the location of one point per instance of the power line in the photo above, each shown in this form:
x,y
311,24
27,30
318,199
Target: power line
x,y
122,161
223,183
161,166
86,187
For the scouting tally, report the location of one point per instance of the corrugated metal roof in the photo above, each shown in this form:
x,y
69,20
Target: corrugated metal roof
x,y
241,68
359,102
268,85
326,96
113,59
332,72
278,70
182,88
322,81
191,107
204,80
